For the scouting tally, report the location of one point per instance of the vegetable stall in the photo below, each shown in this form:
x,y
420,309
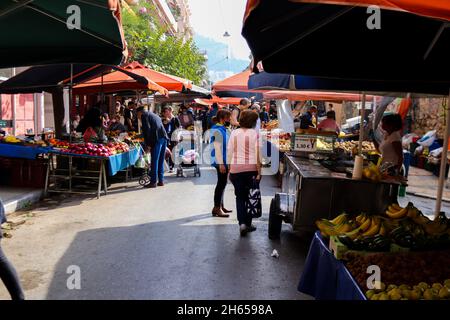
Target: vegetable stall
x,y
410,249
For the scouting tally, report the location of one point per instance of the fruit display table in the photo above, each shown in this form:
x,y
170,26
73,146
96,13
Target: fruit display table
x,y
97,172
8,150
326,278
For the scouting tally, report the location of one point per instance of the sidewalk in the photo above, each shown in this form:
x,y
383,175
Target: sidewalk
x,y
19,198
424,184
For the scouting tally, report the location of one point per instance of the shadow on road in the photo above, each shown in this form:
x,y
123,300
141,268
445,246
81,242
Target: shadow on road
x,y
198,257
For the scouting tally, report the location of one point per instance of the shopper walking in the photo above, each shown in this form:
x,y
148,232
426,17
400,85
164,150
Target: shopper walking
x,y
171,124
245,166
244,104
219,138
155,139
7,272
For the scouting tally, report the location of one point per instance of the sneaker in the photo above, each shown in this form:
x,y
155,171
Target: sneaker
x,y
243,230
251,228
150,185
160,184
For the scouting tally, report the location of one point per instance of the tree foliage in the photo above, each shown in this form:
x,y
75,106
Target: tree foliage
x,y
149,44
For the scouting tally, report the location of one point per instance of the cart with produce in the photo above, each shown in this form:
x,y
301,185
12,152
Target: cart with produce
x,y
317,183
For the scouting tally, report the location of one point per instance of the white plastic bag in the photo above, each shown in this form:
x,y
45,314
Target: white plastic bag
x,y
436,153
428,139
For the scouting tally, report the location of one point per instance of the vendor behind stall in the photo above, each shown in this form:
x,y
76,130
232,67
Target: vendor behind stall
x,y
308,119
91,126
329,124
391,147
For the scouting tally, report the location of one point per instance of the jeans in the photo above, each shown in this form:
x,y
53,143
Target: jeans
x,y
157,162
242,183
9,277
222,180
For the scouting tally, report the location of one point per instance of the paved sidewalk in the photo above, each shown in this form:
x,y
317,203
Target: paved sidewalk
x,y
424,184
19,198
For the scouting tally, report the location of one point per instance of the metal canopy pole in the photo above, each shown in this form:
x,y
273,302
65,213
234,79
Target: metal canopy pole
x,y
361,125
443,159
70,100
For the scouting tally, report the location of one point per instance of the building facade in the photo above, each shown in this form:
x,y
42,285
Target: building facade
x,y
174,14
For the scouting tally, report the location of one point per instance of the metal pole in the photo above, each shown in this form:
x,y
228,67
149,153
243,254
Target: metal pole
x,y
361,125
443,159
70,103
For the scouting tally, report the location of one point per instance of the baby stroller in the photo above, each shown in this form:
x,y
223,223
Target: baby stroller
x,y
188,158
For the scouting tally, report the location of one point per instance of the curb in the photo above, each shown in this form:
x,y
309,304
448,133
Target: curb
x,y
23,201
422,195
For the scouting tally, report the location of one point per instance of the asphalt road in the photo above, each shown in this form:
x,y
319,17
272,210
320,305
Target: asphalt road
x,y
153,244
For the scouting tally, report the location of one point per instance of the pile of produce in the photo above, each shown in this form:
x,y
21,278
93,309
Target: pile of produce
x,y
10,139
25,141
406,227
118,147
404,276
59,143
272,124
89,149
349,146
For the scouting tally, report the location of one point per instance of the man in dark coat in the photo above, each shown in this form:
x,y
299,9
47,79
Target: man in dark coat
x,y
155,139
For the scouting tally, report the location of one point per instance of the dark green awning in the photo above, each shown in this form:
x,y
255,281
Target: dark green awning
x,y
35,32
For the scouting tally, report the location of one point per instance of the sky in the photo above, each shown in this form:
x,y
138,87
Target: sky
x,y
211,18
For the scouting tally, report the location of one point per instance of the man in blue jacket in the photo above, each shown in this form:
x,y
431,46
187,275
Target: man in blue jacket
x,y
155,139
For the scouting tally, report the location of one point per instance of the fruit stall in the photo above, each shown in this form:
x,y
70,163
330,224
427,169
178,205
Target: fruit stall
x,y
345,250
23,161
88,163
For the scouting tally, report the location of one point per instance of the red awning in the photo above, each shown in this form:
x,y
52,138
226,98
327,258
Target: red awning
x,y
439,9
313,95
116,82
171,83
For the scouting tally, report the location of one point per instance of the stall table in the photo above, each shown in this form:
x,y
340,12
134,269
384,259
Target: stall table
x,y
9,150
326,278
116,163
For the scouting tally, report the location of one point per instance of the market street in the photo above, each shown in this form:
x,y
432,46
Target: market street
x,y
153,244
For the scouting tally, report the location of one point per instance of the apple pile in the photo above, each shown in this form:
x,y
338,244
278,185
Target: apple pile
x,y
89,149
118,147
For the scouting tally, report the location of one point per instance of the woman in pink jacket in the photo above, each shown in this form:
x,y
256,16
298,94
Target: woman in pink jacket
x,y
245,166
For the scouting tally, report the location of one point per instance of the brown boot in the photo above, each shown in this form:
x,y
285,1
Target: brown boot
x,y
226,210
217,212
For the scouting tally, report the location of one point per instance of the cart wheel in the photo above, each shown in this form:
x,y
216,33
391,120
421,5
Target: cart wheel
x,y
275,222
144,180
179,173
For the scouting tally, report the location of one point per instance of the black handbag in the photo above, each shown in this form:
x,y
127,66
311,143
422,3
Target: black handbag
x,y
254,205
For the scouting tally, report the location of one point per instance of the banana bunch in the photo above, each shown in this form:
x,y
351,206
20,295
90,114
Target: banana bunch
x,y
394,211
438,226
338,226
11,139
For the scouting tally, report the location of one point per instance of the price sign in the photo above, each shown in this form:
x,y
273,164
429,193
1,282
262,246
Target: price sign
x,y
305,144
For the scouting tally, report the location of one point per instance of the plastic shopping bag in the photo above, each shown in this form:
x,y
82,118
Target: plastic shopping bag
x,y
147,158
254,206
140,163
428,139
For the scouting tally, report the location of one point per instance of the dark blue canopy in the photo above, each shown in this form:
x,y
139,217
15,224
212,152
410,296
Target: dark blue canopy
x,y
277,81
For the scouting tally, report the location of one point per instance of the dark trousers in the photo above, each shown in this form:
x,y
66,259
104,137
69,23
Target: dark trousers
x,y
9,277
222,180
157,162
242,183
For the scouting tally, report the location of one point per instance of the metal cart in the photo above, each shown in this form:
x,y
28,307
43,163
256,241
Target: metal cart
x,y
310,192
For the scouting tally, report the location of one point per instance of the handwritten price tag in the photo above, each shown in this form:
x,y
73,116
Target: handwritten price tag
x,y
305,144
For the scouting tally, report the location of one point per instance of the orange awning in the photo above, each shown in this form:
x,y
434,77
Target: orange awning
x,y
313,95
439,9
223,101
115,82
238,82
171,83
